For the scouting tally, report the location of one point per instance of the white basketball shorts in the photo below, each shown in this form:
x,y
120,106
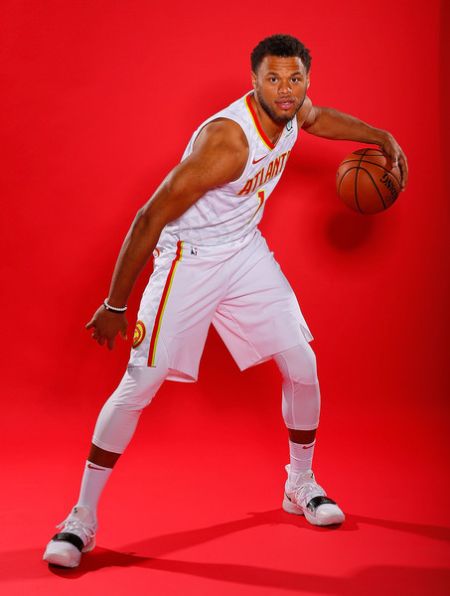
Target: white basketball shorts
x,y
238,287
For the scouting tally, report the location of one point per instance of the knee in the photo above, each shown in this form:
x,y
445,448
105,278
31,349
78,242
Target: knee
x,y
298,365
305,370
137,388
301,393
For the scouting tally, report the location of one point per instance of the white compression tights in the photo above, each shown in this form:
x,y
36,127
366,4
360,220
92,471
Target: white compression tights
x,y
119,416
300,392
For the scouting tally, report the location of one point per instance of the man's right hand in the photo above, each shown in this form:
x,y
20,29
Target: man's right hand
x,y
106,325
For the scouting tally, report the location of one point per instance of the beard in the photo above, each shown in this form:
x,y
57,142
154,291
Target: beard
x,y
282,120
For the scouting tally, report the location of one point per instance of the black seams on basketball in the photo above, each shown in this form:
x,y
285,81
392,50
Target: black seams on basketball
x,y
366,183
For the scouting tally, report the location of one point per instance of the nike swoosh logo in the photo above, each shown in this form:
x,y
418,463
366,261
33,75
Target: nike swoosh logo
x,y
309,446
95,468
260,159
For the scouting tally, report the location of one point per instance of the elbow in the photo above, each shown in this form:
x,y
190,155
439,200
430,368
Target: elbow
x,y
141,218
139,215
143,221
149,218
166,205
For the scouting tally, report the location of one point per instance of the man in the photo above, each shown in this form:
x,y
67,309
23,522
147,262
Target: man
x,y
211,264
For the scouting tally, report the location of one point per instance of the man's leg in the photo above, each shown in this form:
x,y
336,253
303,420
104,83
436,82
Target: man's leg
x,y
115,427
301,409
300,403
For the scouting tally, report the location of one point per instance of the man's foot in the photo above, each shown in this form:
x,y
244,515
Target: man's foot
x,y
77,536
303,496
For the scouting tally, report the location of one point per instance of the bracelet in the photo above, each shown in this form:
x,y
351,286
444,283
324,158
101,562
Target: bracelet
x,y
113,308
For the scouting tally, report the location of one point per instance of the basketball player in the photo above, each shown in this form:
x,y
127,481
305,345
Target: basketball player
x,y
212,265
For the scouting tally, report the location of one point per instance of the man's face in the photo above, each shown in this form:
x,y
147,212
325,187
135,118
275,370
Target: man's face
x,y
280,85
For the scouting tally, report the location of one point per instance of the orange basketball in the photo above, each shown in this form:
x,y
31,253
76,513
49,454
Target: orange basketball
x,y
365,183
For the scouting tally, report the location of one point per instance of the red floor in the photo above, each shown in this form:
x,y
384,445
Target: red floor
x,y
184,514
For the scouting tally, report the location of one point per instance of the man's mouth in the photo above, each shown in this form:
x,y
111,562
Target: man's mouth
x,y
285,104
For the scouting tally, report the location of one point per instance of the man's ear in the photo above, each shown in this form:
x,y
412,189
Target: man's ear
x,y
254,79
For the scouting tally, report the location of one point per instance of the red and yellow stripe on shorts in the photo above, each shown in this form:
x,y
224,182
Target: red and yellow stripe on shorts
x,y
162,304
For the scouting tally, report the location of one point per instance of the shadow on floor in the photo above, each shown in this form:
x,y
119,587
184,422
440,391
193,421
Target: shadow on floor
x,y
147,553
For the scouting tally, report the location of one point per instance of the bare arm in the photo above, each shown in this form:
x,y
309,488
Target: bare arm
x,y
219,156
332,124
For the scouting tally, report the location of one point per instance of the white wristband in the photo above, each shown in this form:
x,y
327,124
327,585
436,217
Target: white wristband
x,y
113,308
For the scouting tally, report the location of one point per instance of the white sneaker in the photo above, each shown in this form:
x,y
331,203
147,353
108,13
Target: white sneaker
x,y
303,496
77,536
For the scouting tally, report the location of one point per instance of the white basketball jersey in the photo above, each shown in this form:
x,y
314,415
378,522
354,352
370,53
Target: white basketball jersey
x,y
232,211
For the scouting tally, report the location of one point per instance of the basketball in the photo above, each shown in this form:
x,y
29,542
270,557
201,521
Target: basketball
x,y
365,183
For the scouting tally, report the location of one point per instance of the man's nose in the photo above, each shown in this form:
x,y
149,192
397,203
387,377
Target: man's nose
x,y
284,88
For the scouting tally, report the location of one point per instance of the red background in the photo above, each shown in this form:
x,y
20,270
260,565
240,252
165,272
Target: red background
x,y
99,100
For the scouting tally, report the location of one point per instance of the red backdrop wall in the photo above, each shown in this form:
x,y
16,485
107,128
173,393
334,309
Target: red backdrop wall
x,y
99,100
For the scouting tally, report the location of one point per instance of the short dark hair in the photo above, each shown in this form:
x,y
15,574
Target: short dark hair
x,y
280,45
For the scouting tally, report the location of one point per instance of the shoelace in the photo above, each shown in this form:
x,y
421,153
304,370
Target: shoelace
x,y
307,491
76,526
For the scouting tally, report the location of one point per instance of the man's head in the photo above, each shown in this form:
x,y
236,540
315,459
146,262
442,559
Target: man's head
x,y
280,76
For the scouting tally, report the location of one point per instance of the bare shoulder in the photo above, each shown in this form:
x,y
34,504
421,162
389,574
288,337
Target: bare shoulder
x,y
306,114
224,132
221,150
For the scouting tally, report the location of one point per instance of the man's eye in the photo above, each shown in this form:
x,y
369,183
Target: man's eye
x,y
295,80
273,79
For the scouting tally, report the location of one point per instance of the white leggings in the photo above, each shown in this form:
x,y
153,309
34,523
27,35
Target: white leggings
x,y
300,404
119,416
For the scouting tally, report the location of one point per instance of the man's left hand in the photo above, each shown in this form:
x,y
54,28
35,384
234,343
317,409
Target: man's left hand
x,y
394,152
